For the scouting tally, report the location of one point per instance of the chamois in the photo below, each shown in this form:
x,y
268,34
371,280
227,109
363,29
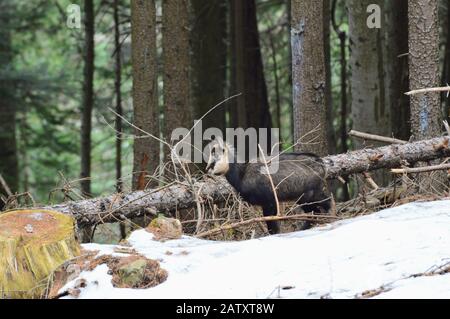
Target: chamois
x,y
301,177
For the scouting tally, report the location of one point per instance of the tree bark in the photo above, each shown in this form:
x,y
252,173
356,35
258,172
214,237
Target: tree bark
x,y
117,87
120,206
309,76
88,97
145,94
331,136
119,111
426,115
369,110
396,67
343,113
209,59
342,35
252,105
175,43
446,71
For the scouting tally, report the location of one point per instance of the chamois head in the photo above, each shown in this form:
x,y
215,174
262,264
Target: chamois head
x,y
218,162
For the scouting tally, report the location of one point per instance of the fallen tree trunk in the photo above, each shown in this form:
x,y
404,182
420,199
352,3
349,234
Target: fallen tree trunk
x,y
118,207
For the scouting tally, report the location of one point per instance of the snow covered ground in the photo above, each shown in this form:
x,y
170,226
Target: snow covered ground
x,y
340,260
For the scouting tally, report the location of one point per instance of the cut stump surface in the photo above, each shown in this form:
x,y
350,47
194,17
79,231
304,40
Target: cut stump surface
x,y
33,243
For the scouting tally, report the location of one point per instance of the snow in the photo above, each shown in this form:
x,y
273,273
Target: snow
x,y
339,260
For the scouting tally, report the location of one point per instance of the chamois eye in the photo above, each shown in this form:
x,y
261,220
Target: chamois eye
x,y
213,151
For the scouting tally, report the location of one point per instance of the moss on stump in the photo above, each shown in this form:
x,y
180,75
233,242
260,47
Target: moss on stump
x,y
33,243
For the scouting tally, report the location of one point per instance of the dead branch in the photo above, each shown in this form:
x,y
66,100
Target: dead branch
x,y
370,180
447,127
441,167
304,217
5,186
376,138
426,90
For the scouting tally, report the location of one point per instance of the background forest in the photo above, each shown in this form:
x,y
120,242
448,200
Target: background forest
x,y
67,99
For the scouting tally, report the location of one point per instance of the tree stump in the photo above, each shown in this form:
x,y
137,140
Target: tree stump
x,y
33,243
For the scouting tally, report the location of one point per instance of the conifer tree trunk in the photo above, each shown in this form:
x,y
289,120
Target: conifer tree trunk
x,y
331,136
117,86
309,76
175,42
424,67
118,122
209,59
396,67
370,107
446,71
369,110
253,105
88,97
145,96
426,116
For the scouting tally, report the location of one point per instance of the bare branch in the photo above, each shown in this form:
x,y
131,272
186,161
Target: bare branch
x,y
306,217
441,167
376,138
436,89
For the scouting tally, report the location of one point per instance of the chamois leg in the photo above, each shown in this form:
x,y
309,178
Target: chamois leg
x,y
272,226
320,207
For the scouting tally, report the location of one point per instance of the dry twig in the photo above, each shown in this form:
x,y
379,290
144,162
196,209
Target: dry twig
x,y
376,138
423,169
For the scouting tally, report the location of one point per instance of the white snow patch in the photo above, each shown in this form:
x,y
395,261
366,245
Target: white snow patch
x,y
339,260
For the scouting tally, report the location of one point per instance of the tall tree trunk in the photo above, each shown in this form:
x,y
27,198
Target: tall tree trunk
x,y
209,59
369,110
426,116
88,97
145,94
232,76
396,67
446,71
309,76
342,35
8,143
175,43
22,150
117,87
424,67
87,107
343,114
331,136
276,79
252,105
289,18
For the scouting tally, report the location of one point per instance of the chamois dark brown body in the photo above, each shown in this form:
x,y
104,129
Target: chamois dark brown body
x,y
300,178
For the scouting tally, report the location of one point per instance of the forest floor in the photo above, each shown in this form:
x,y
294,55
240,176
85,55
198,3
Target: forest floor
x,y
400,252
